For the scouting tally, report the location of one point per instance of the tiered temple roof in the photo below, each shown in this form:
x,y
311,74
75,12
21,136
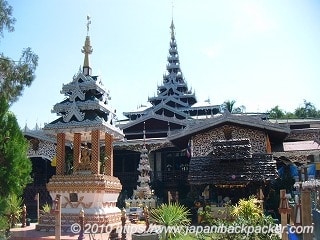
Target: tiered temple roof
x,y
86,106
173,105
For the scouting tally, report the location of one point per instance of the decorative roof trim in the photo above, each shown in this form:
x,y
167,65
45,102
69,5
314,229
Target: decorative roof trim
x,y
87,105
87,125
154,116
87,84
174,110
227,117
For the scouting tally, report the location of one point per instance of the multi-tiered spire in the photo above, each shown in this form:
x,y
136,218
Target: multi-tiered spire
x,y
87,103
143,189
173,104
174,84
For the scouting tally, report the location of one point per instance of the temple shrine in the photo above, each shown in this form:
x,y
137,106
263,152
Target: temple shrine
x,y
87,125
180,148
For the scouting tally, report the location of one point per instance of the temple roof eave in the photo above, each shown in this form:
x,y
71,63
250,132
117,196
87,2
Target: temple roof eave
x,y
161,96
135,145
87,84
171,109
205,107
84,126
39,134
230,118
88,105
155,116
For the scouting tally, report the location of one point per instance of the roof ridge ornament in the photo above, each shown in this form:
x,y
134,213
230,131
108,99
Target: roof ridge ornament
x,y
87,49
172,30
88,24
172,25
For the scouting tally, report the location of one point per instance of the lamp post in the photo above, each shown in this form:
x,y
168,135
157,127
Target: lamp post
x,y
81,220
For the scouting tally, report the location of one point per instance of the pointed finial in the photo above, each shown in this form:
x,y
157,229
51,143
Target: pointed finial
x,y
172,29
172,9
172,25
87,50
88,24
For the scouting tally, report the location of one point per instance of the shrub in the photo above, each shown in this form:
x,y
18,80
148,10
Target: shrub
x,y
172,214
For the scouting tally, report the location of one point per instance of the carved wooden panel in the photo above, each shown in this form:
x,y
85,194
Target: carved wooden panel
x,y
202,143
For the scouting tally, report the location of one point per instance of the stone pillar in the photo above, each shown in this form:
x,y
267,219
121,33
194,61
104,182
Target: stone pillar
x,y
76,151
60,164
109,154
306,212
95,152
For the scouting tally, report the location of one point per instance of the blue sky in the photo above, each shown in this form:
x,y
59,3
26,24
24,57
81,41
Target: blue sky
x,y
260,53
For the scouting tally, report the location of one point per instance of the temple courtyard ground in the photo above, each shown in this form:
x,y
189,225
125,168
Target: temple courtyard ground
x,y
30,233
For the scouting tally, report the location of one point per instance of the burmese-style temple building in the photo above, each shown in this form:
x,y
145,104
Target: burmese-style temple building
x,y
194,150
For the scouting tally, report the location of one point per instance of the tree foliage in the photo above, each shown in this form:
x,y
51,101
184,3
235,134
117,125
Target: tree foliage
x,y
276,113
6,19
308,110
229,105
15,166
14,75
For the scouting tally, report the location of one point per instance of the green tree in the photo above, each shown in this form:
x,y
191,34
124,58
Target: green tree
x,y
229,105
14,75
6,19
276,113
306,111
15,166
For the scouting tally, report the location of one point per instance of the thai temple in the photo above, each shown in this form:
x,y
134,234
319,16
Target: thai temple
x,y
87,123
177,148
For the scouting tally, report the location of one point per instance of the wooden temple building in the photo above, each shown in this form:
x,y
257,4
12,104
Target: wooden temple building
x,y
192,147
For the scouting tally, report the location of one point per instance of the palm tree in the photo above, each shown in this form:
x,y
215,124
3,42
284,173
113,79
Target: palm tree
x,y
229,105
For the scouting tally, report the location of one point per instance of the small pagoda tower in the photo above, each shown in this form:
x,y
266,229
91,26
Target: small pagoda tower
x,y
87,122
143,189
